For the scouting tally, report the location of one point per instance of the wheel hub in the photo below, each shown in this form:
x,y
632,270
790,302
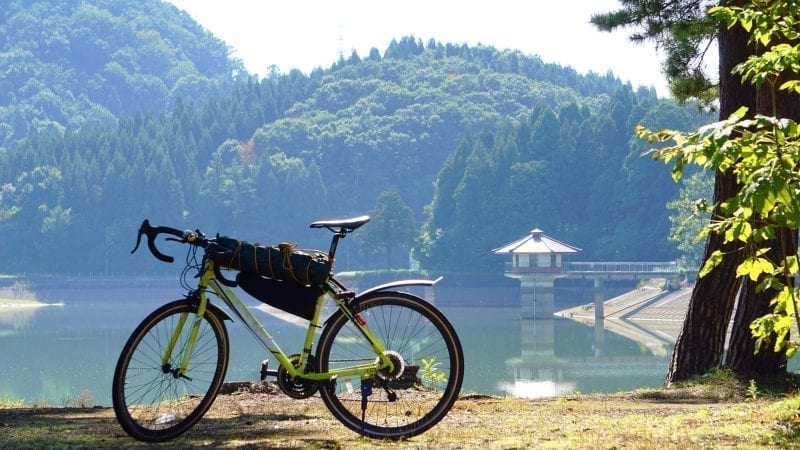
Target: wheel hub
x,y
398,364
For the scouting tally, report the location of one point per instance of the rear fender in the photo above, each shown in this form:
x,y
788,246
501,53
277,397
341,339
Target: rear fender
x,y
396,284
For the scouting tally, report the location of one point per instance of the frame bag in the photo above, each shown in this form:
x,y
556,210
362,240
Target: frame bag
x,y
285,262
287,296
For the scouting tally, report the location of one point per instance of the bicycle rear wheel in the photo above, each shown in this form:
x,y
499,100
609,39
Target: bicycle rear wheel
x,y
428,360
152,401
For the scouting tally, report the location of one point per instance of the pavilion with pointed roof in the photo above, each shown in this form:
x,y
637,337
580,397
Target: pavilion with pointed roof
x,y
536,264
536,253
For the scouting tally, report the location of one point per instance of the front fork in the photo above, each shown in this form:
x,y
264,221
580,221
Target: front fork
x,y
200,299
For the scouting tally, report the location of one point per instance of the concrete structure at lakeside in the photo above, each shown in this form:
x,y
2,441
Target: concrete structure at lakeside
x,y
649,315
537,260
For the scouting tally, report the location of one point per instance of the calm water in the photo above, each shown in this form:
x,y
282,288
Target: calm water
x,y
58,353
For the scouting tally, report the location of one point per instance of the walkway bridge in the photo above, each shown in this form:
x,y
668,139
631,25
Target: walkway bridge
x,y
603,269
630,269
536,280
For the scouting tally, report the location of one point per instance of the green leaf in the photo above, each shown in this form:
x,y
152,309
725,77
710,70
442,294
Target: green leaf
x,y
791,85
744,268
792,265
746,23
753,268
713,261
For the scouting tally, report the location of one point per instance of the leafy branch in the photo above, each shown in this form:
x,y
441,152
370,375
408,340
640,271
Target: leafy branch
x,y
762,153
431,371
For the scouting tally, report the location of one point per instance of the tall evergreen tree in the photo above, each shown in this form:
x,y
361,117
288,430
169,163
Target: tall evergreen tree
x,y
391,228
681,27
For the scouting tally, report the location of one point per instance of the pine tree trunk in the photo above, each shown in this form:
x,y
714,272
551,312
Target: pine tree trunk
x,y
742,358
700,345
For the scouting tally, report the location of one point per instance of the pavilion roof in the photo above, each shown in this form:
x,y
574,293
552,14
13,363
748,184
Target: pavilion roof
x,y
536,242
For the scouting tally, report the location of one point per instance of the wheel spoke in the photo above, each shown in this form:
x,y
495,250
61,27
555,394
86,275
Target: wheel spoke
x,y
156,404
412,401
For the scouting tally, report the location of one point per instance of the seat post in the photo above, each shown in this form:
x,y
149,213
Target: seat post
x,y
335,242
340,228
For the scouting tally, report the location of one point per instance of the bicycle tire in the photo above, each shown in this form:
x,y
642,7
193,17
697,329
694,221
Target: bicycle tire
x,y
425,391
150,402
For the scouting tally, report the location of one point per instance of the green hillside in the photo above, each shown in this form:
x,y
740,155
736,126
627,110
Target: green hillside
x,y
67,64
481,144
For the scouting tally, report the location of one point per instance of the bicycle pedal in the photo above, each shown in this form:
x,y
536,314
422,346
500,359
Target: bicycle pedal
x,y
265,372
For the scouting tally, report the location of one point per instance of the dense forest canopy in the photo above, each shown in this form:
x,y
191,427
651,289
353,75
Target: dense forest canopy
x,y
154,120
66,64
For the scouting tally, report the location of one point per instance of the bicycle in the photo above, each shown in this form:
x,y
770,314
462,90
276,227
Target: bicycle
x,y
388,364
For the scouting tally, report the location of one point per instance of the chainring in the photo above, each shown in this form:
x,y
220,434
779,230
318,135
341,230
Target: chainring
x,y
295,387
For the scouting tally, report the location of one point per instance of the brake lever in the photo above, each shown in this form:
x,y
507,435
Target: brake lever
x,y
138,241
144,228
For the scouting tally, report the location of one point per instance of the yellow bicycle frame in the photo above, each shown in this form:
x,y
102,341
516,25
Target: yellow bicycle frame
x,y
297,369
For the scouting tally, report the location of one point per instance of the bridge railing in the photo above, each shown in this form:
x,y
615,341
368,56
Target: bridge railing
x,y
622,267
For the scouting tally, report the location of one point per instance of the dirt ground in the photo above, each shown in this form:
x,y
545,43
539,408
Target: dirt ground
x,y
258,420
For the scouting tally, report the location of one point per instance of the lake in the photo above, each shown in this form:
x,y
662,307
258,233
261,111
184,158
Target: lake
x,y
66,353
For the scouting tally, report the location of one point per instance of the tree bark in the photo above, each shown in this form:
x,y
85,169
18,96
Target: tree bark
x,y
742,357
700,345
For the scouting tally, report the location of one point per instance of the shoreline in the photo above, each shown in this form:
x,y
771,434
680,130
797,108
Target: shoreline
x,y
20,303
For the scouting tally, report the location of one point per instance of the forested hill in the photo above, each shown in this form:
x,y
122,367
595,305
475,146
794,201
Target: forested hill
x,y
482,144
67,63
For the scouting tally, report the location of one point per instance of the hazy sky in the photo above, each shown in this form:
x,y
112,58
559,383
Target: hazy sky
x,y
298,34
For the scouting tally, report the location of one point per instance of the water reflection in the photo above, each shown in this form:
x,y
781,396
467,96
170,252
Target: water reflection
x,y
581,352
538,372
18,307
16,317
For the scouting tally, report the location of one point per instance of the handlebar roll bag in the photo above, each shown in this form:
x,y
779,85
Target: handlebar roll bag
x,y
287,296
285,262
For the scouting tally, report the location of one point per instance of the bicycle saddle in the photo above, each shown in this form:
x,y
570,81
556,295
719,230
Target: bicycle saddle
x,y
346,225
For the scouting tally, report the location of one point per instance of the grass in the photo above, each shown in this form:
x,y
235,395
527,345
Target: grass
x,y
716,411
7,402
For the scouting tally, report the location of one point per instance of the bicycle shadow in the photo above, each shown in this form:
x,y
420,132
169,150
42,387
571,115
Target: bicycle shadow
x,y
250,415
284,430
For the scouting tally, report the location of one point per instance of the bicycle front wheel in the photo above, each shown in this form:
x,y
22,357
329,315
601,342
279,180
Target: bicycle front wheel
x,y
427,375
154,401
